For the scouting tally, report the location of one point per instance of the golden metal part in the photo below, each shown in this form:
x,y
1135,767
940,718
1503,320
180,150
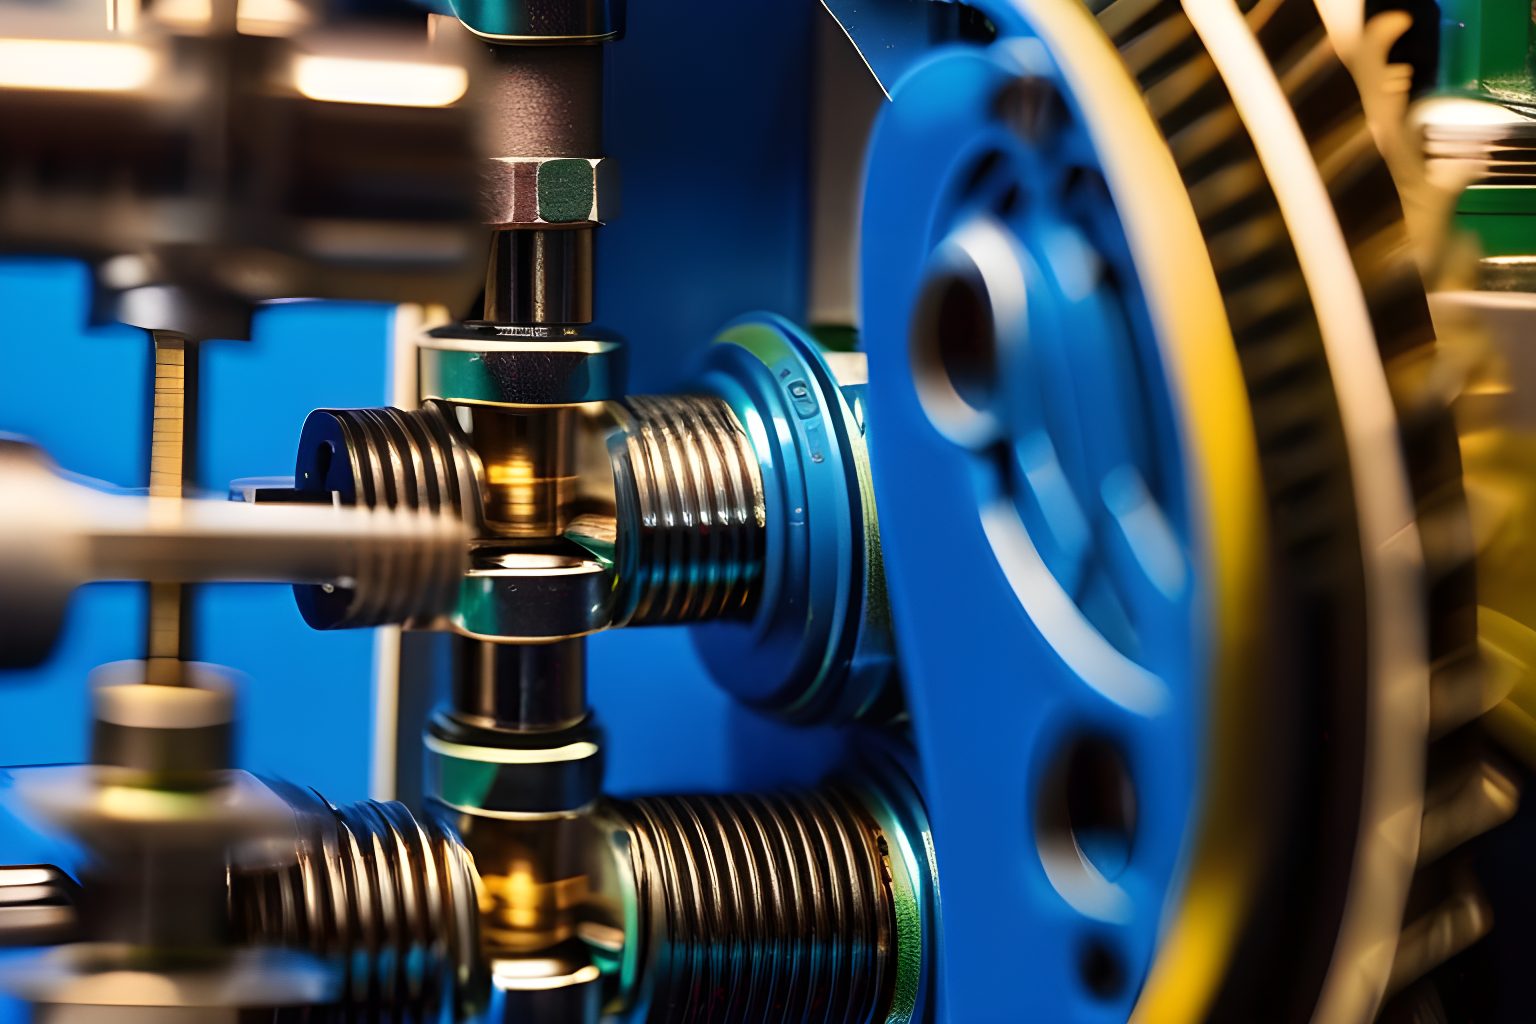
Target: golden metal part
x,y
530,468
172,433
1501,484
1454,924
169,612
170,430
549,888
1464,807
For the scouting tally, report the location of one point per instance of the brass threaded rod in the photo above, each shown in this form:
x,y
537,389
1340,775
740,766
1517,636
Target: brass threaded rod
x,y
172,453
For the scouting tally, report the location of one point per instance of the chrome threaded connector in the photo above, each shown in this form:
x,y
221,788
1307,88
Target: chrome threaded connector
x,y
386,458
389,901
416,459
691,518
744,907
770,907
745,509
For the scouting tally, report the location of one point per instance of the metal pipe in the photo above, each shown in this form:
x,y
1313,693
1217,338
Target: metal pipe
x,y
546,101
539,276
521,687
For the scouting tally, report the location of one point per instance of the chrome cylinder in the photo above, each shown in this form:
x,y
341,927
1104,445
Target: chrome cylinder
x,y
521,687
539,276
692,522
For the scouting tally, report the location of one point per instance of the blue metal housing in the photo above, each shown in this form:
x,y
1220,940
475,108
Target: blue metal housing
x,y
819,648
1034,622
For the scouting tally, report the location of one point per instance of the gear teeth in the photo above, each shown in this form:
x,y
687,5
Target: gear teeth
x,y
1467,686
1432,938
1467,804
1157,45
1306,473
1268,307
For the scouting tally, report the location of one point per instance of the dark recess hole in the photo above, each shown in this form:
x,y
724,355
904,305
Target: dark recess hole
x,y
983,169
1010,199
1101,970
966,341
1101,806
323,455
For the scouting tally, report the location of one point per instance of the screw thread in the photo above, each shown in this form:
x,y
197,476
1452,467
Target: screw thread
x,y
764,908
389,899
692,529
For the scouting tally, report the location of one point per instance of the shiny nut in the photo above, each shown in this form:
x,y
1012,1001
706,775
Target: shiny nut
x,y
551,190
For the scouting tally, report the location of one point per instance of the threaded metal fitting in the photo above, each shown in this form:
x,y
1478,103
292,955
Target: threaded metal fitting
x,y
691,515
757,907
415,458
387,899
774,907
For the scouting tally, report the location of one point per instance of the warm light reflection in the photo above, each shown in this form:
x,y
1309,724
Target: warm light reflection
x,y
384,82
66,64
275,18
1463,111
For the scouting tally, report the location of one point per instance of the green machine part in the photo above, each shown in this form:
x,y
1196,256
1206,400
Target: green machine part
x,y
1486,53
1502,216
1485,50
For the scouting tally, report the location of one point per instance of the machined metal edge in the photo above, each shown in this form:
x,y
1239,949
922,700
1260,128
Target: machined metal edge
x,y
815,465
539,368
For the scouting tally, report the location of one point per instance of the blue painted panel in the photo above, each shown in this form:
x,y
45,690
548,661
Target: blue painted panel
x,y
671,730
301,356
713,142
306,710
305,707
81,392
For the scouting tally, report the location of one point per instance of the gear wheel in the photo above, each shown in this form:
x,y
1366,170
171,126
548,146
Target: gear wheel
x,y
1369,579
1328,110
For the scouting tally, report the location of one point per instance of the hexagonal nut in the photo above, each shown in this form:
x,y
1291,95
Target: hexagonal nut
x,y
551,190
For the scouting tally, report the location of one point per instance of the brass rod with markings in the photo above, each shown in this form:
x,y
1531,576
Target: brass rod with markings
x,y
173,431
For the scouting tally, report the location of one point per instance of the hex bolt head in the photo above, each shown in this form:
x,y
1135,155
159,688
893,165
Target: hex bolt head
x,y
550,190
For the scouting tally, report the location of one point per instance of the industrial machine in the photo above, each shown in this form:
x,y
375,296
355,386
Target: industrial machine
x,y
896,510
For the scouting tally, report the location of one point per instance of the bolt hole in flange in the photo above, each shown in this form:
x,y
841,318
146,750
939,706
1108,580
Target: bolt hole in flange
x,y
972,305
1101,806
1085,826
966,343
1031,351
1101,970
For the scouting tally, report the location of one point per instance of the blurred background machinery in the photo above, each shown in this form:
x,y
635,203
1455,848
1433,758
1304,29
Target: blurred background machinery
x,y
1050,483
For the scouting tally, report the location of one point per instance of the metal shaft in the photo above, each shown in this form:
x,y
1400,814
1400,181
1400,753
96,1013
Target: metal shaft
x,y
546,101
539,276
56,535
521,687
